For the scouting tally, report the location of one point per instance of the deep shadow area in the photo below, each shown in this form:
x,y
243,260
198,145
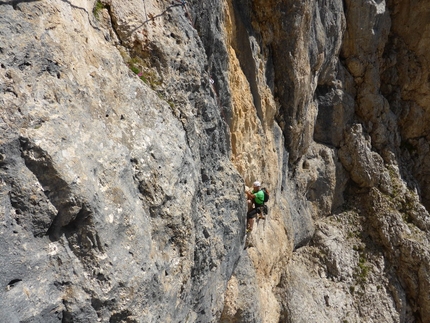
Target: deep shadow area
x,y
242,46
325,119
16,2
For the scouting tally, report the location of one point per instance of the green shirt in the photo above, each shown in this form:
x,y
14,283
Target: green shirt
x,y
259,197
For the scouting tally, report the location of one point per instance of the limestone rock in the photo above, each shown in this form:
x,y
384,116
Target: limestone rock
x,y
110,215
366,167
129,130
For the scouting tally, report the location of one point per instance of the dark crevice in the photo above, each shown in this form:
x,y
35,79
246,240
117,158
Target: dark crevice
x,y
82,9
15,3
242,47
324,121
67,316
113,23
74,217
13,283
270,71
75,223
122,317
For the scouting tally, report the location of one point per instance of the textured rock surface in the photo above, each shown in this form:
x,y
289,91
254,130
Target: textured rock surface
x,y
129,129
120,204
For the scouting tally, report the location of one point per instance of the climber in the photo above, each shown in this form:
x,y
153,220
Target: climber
x,y
255,204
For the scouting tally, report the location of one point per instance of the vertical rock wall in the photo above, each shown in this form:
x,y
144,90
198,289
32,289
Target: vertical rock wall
x,y
119,201
349,175
129,130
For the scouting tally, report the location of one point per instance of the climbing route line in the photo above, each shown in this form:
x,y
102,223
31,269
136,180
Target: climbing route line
x,y
150,17
217,98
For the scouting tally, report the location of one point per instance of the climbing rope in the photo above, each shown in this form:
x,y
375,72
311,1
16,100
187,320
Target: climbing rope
x,y
184,5
179,3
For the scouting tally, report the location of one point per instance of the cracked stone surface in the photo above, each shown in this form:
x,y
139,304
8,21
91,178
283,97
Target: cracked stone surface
x,y
130,129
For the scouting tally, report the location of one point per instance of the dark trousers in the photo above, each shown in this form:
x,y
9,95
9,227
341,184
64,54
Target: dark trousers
x,y
253,213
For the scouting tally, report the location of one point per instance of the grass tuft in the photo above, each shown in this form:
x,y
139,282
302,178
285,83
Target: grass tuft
x,y
98,6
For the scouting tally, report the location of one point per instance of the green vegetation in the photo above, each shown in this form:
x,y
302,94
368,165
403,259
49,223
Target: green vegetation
x,y
134,69
358,248
353,235
402,200
172,105
140,67
362,270
98,6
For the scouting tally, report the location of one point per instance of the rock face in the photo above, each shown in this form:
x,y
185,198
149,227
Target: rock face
x,y
129,130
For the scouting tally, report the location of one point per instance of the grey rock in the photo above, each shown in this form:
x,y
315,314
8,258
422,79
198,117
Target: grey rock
x,y
128,131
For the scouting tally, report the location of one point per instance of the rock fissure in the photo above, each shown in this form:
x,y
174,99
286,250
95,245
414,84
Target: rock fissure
x,y
130,130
